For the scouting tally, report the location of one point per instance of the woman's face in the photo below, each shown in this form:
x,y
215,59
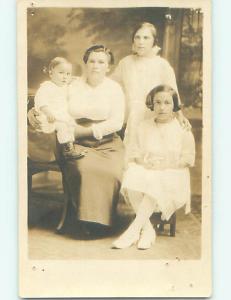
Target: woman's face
x,y
97,65
143,41
163,106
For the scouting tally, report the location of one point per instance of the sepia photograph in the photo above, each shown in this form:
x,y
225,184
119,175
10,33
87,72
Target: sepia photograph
x,y
114,148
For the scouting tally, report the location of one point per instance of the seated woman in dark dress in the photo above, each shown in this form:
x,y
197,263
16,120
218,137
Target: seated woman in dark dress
x,y
97,104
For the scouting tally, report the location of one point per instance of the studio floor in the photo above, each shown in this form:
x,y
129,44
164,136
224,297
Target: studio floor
x,y
45,206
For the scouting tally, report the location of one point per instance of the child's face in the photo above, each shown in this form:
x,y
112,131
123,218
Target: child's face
x,y
61,74
163,106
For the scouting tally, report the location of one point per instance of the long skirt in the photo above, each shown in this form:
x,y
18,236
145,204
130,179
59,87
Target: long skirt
x,y
94,181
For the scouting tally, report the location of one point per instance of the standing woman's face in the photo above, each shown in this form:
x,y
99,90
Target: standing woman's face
x,y
143,42
97,65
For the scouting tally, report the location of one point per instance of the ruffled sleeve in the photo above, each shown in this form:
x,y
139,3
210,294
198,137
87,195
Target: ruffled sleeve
x,y
187,157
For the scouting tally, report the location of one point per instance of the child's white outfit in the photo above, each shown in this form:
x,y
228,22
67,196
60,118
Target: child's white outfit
x,y
169,188
56,98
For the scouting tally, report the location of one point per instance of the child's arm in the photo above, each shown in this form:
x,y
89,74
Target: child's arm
x,y
50,117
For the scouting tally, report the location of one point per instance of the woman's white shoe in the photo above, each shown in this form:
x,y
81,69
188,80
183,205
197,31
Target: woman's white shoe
x,y
147,238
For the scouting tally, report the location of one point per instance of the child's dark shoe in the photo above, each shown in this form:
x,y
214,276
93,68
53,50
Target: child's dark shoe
x,y
69,151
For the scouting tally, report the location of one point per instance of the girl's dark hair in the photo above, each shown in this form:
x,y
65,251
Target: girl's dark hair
x,y
99,48
162,88
146,25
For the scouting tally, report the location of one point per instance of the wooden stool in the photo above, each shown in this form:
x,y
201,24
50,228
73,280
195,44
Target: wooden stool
x,y
156,220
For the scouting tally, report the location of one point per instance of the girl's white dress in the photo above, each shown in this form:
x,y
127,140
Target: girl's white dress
x,y
170,187
138,76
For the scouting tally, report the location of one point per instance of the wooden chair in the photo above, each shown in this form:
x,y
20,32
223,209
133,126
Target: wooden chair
x,y
33,168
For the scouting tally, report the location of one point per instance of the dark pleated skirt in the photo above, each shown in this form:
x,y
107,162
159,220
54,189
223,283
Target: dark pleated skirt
x,y
93,182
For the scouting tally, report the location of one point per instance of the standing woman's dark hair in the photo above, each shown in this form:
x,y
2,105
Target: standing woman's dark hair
x,y
162,88
150,26
99,48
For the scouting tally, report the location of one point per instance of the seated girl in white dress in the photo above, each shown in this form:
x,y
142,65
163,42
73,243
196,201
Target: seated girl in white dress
x,y
51,101
157,178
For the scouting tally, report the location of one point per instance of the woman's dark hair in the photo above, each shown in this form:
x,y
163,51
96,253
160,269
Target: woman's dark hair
x,y
99,48
146,25
162,88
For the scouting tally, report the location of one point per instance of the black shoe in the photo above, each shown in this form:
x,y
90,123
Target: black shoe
x,y
69,151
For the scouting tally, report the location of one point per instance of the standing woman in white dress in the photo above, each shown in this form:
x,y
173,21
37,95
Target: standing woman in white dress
x,y
157,178
140,72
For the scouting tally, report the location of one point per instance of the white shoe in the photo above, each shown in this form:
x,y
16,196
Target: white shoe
x,y
147,238
126,240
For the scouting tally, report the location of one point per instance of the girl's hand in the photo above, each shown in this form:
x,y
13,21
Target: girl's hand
x,y
34,122
155,165
184,122
153,162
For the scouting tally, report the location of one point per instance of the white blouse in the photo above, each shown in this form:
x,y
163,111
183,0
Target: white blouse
x,y
139,75
103,103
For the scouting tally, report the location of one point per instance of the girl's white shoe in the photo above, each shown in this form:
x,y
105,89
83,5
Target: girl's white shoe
x,y
127,239
147,238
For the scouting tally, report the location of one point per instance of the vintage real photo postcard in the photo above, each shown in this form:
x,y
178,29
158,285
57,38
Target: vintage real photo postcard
x,y
114,126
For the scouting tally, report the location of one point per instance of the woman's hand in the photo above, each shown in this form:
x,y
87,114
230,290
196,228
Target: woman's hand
x,y
34,122
184,122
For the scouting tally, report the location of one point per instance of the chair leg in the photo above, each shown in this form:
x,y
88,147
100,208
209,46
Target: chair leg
x,y
173,226
161,227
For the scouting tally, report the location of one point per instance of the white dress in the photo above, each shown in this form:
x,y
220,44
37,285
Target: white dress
x,y
138,76
169,187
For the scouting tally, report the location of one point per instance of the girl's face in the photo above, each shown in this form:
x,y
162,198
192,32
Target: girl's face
x,y
61,74
97,65
143,42
163,106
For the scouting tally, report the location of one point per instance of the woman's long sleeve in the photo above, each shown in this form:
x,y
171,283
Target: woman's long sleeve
x,y
115,119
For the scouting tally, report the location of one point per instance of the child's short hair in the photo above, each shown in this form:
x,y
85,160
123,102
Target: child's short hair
x,y
57,61
99,48
163,88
